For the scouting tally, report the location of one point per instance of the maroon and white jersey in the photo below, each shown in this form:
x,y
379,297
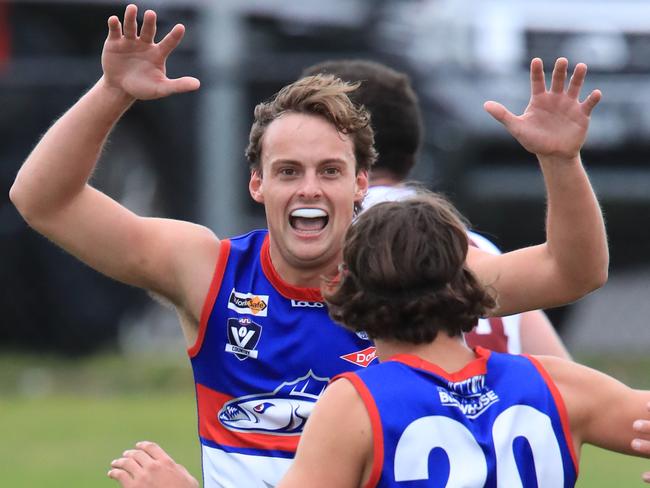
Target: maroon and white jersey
x,y
499,334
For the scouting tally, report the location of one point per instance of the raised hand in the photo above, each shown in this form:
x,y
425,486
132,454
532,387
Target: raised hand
x,y
135,64
555,122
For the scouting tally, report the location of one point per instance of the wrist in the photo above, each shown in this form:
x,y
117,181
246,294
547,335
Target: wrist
x,y
554,159
114,95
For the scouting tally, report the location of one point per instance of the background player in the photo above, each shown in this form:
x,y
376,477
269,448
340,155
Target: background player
x,y
397,121
250,307
433,408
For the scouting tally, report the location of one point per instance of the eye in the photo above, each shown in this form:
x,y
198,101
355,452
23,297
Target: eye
x,y
261,407
288,171
332,171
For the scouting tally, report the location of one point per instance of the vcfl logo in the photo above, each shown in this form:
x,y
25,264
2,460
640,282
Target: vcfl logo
x,y
361,358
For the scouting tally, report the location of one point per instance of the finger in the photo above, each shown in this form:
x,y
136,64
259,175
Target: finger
x,y
148,30
141,457
114,28
591,101
127,464
179,85
171,40
130,22
641,446
500,113
121,476
537,80
152,449
577,80
559,75
641,426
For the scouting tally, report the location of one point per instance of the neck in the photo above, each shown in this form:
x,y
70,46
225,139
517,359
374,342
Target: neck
x,y
450,353
380,177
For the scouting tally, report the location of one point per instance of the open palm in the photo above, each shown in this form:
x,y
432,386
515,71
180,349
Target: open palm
x,y
555,122
135,63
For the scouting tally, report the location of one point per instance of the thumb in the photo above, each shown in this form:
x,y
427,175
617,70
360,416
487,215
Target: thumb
x,y
180,85
500,113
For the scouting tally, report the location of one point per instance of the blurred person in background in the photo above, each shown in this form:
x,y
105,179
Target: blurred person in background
x,y
260,341
397,121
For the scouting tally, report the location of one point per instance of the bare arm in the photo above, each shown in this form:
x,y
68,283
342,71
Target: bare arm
x,y
336,446
148,466
601,409
52,193
574,259
538,336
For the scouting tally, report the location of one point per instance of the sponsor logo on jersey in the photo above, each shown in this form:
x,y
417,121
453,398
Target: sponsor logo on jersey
x,y
243,336
361,358
283,411
300,303
362,334
470,396
249,303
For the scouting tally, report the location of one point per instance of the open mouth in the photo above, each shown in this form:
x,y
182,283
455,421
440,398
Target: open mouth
x,y
308,219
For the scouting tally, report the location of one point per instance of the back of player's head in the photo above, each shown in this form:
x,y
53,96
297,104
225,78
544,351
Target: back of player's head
x,y
324,96
404,276
396,119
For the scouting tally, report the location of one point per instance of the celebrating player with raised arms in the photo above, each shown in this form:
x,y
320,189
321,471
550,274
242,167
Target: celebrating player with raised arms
x,y
259,337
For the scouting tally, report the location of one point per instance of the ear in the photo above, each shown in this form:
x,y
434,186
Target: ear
x,y
255,186
361,185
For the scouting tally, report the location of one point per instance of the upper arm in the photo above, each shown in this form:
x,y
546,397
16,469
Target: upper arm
x,y
335,448
172,258
601,409
538,336
525,279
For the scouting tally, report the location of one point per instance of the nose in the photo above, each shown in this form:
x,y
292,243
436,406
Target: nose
x,y
310,188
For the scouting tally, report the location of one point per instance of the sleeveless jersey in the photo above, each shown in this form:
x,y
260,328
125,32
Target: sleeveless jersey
x,y
500,334
264,353
498,422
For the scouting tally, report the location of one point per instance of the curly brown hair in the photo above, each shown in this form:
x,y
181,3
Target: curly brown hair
x,y
322,95
404,276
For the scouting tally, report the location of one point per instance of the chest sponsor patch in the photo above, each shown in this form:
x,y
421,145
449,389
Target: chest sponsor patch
x,y
471,396
248,303
361,358
283,411
243,336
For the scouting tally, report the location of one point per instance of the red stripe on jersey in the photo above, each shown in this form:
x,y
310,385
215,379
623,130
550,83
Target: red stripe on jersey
x,y
561,408
285,289
209,404
375,423
219,269
474,368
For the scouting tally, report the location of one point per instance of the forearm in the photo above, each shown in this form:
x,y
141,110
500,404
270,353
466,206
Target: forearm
x,y
62,162
576,238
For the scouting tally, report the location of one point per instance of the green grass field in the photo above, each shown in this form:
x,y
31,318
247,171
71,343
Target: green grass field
x,y
63,421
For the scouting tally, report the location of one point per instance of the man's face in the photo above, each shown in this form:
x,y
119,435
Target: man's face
x,y
308,186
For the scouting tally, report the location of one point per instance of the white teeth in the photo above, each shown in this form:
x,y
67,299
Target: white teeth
x,y
308,213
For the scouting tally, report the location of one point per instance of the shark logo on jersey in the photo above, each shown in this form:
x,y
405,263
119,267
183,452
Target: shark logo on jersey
x,y
249,303
470,396
283,411
243,336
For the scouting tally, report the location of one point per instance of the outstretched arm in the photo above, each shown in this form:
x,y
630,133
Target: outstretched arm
x,y
574,259
51,190
149,466
538,336
601,409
